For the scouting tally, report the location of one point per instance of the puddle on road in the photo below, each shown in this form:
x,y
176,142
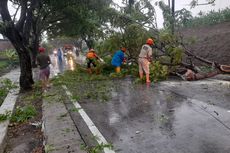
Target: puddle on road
x,y
167,121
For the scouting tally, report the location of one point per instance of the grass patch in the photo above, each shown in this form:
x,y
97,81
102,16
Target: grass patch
x,y
8,60
85,86
95,86
6,85
3,65
22,114
96,149
49,148
5,116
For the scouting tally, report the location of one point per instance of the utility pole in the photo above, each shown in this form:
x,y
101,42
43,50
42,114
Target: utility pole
x,y
173,16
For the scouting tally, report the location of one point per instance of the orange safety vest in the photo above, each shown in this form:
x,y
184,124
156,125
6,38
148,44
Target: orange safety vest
x,y
91,55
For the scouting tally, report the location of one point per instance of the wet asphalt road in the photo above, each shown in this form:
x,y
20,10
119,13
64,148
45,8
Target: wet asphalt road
x,y
167,117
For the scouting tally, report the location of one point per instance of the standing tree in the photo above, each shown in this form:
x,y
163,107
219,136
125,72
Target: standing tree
x,y
36,16
19,35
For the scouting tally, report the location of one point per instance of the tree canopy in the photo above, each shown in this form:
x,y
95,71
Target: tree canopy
x,y
100,23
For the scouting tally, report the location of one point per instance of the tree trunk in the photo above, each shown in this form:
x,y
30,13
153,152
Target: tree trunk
x,y
26,76
34,51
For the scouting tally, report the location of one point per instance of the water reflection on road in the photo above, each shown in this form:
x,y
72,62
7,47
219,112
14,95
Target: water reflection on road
x,y
164,118
67,63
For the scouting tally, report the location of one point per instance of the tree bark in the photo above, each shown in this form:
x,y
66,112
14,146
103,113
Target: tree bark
x,y
18,34
26,76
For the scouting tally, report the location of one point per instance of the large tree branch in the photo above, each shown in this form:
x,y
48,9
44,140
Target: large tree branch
x,y
16,12
187,52
22,18
4,11
29,19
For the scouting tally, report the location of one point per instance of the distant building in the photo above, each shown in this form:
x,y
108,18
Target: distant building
x,y
5,44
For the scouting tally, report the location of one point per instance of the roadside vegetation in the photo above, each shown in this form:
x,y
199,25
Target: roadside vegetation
x,y
6,85
210,18
26,121
8,60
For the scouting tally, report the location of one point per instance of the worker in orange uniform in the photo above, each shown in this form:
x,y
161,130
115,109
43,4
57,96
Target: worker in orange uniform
x,y
144,59
91,58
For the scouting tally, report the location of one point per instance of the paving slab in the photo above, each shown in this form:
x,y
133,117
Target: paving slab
x,y
60,134
8,105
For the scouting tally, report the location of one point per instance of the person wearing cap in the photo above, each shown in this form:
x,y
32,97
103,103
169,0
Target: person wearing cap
x,y
144,59
118,59
43,60
91,58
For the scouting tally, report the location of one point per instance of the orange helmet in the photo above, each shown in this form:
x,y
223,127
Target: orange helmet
x,y
123,49
149,41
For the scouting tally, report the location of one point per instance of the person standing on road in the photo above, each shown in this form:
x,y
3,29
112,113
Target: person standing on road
x,y
60,59
144,59
118,59
91,58
60,55
44,61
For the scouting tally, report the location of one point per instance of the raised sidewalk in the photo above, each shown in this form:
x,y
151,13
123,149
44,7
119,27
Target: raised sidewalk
x,y
60,134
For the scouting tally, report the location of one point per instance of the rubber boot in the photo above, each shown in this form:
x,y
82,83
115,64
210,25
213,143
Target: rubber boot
x,y
118,69
147,78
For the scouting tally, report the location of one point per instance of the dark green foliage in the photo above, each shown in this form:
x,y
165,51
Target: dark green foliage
x,y
96,149
182,17
210,18
22,114
6,85
9,58
172,47
158,72
4,117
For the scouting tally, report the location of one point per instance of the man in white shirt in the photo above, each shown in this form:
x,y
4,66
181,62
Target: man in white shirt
x,y
145,57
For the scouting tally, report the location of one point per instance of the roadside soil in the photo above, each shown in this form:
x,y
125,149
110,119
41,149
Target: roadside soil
x,y
210,42
25,137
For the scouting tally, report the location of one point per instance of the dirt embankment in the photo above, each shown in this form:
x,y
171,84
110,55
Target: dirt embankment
x,y
211,42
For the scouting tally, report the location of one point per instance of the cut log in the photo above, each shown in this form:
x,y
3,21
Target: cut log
x,y
225,68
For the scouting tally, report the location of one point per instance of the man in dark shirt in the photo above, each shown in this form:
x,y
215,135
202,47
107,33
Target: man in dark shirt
x,y
44,61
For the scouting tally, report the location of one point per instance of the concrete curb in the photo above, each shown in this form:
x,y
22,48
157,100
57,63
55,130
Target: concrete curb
x,y
7,106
